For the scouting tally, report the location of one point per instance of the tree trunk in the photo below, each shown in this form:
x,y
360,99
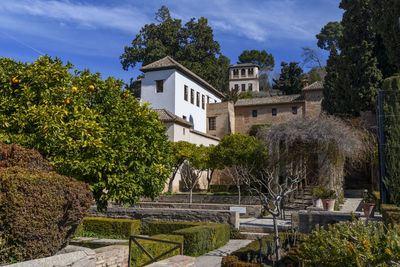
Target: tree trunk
x,y
171,181
276,237
209,179
238,187
191,196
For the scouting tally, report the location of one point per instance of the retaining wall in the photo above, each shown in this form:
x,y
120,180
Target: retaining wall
x,y
245,210
153,214
223,199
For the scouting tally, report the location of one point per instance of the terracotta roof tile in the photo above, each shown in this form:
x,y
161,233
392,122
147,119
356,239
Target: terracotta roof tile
x,y
269,100
168,116
319,85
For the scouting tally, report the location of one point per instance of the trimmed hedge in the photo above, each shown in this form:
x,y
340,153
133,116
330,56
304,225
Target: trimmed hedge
x,y
199,237
204,238
233,261
138,257
39,212
390,214
168,227
108,227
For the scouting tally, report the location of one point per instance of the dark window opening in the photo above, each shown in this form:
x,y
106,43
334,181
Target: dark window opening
x,y
184,117
294,110
243,72
251,72
274,112
254,113
212,121
243,87
198,99
160,86
186,93
250,86
192,96
203,102
236,86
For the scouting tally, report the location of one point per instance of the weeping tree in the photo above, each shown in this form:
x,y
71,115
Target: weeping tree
x,y
324,142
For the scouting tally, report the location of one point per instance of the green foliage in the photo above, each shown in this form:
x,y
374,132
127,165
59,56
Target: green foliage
x,y
333,101
192,45
350,244
86,127
390,214
259,57
328,194
204,238
223,188
233,261
246,95
108,227
290,79
138,257
232,95
199,238
40,210
255,128
330,35
317,192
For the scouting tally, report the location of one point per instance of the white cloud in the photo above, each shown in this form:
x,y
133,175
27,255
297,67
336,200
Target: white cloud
x,y
117,17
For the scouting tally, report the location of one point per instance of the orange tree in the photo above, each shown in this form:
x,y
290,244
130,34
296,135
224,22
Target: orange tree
x,y
87,127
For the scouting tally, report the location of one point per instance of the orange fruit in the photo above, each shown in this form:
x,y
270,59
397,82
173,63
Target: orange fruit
x,y
125,95
67,101
74,89
91,87
15,80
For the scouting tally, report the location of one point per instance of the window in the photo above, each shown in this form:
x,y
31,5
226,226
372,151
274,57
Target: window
x,y
243,87
243,72
254,113
203,102
251,72
208,100
184,117
236,86
160,86
184,131
294,110
212,123
274,112
186,93
250,86
192,96
198,99
236,73
215,101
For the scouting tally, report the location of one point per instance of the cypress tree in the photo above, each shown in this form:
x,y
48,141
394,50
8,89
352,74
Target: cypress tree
x,y
333,95
358,72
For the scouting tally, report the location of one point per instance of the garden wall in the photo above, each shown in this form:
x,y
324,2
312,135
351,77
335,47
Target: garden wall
x,y
222,199
153,214
110,256
245,210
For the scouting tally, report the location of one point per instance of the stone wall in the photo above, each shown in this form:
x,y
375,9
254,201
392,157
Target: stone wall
x,y
306,221
222,199
72,256
148,215
313,101
176,261
251,210
225,118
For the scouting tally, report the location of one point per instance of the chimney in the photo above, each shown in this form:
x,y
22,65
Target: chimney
x,y
305,83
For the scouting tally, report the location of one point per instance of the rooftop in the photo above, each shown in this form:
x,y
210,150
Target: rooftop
x,y
282,99
169,63
168,116
239,65
319,85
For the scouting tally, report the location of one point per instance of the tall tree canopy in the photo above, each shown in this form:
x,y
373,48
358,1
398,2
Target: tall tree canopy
x,y
192,45
260,57
290,80
330,35
357,73
88,128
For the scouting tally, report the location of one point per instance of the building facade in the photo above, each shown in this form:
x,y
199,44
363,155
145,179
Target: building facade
x,y
244,77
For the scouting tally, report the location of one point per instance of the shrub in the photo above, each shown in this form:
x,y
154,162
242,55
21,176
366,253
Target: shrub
x,y
168,227
108,227
204,238
233,261
39,212
350,244
390,214
138,257
214,188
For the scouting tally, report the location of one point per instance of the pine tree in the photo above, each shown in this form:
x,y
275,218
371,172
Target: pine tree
x,y
358,72
290,79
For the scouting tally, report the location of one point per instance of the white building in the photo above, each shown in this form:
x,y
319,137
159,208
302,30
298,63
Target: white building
x,y
244,77
169,85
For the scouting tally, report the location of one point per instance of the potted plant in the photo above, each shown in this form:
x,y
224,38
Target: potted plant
x,y
368,204
317,192
328,199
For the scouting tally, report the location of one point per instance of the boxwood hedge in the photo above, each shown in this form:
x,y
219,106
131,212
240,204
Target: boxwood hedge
x,y
108,227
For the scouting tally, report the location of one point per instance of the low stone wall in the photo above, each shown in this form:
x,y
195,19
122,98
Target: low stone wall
x,y
72,256
306,221
223,199
148,215
244,210
176,261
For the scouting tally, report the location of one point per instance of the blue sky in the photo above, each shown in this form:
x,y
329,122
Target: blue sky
x,y
92,33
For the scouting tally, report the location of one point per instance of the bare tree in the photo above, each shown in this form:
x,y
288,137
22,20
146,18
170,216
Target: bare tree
x,y
234,173
311,57
271,190
190,177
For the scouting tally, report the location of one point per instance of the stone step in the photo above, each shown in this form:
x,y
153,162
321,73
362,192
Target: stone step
x,y
262,229
252,236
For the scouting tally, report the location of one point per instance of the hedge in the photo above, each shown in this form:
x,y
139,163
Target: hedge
x,y
199,237
108,227
138,257
233,261
168,227
390,214
40,212
204,238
